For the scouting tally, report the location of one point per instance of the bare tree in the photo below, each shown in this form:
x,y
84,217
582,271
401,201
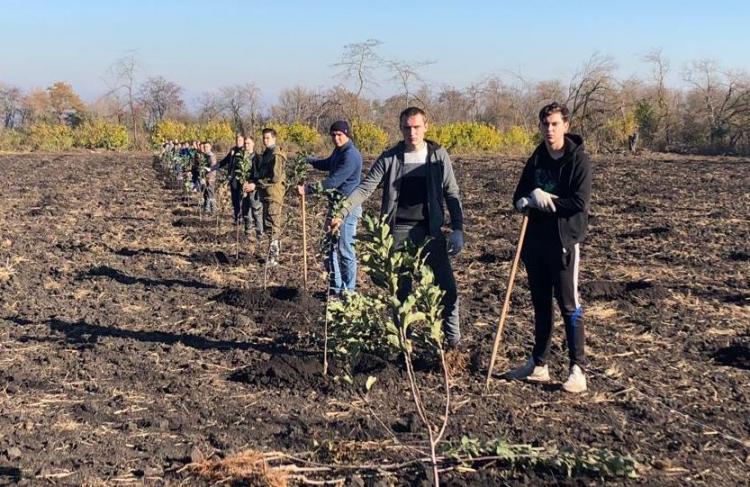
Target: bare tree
x,y
406,72
659,71
359,61
240,103
452,105
159,97
725,101
209,107
123,73
589,92
10,105
35,107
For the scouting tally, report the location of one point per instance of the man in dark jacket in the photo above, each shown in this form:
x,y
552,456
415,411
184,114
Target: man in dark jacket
x,y
243,202
555,187
269,179
344,167
418,183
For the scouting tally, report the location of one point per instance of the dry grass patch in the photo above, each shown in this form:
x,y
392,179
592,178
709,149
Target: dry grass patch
x,y
249,466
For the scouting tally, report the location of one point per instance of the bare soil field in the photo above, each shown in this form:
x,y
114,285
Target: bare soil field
x,y
134,346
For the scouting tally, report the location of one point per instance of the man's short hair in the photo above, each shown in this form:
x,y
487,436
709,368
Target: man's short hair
x,y
552,108
268,130
411,112
249,137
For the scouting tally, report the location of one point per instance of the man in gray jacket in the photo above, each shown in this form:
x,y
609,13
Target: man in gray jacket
x,y
418,183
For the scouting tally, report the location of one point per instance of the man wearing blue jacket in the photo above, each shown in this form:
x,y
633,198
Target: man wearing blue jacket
x,y
344,167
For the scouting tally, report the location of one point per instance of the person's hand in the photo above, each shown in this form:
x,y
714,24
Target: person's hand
x,y
248,187
543,200
455,242
335,225
301,189
523,203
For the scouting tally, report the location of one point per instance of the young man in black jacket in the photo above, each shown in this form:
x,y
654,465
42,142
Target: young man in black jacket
x,y
555,188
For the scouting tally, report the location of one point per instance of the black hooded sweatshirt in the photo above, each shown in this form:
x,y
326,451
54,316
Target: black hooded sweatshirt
x,y
568,178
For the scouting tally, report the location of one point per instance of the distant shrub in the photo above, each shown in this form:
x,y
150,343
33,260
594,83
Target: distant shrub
x,y
473,137
99,134
11,140
49,137
169,130
615,132
216,132
302,136
518,140
369,137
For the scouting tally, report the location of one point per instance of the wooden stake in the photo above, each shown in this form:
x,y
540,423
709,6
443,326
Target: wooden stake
x,y
506,304
304,241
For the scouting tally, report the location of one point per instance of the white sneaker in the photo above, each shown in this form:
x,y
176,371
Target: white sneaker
x,y
576,382
530,372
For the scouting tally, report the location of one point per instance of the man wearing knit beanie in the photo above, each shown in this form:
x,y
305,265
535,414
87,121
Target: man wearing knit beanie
x,y
344,167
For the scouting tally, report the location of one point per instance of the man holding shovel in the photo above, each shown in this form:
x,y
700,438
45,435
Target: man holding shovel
x,y
418,183
344,167
555,188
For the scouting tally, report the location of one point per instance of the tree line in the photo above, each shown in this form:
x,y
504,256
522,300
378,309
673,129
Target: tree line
x,y
708,114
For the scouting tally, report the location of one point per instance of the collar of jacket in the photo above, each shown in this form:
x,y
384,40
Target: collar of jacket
x,y
573,144
432,147
345,147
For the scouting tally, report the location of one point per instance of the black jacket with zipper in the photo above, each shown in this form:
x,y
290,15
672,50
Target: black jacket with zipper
x,y
573,190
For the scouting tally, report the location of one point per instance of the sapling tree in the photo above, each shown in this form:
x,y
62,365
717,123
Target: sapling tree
x,y
390,319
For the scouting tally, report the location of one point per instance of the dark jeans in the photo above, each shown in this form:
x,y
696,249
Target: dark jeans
x,y
553,269
438,261
243,204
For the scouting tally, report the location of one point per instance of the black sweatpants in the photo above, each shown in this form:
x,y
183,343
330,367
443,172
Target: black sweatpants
x,y
553,270
439,262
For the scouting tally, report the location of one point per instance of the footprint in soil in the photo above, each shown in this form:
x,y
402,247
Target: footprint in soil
x,y
619,290
645,232
736,355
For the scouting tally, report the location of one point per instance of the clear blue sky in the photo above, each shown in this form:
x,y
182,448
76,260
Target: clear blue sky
x,y
278,43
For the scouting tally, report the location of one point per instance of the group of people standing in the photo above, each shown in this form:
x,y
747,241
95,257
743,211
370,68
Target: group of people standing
x,y
257,183
418,184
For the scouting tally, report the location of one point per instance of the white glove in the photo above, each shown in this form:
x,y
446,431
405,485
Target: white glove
x,y
523,203
543,200
455,242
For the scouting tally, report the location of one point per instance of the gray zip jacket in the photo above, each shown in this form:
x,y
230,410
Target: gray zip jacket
x,y
442,188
